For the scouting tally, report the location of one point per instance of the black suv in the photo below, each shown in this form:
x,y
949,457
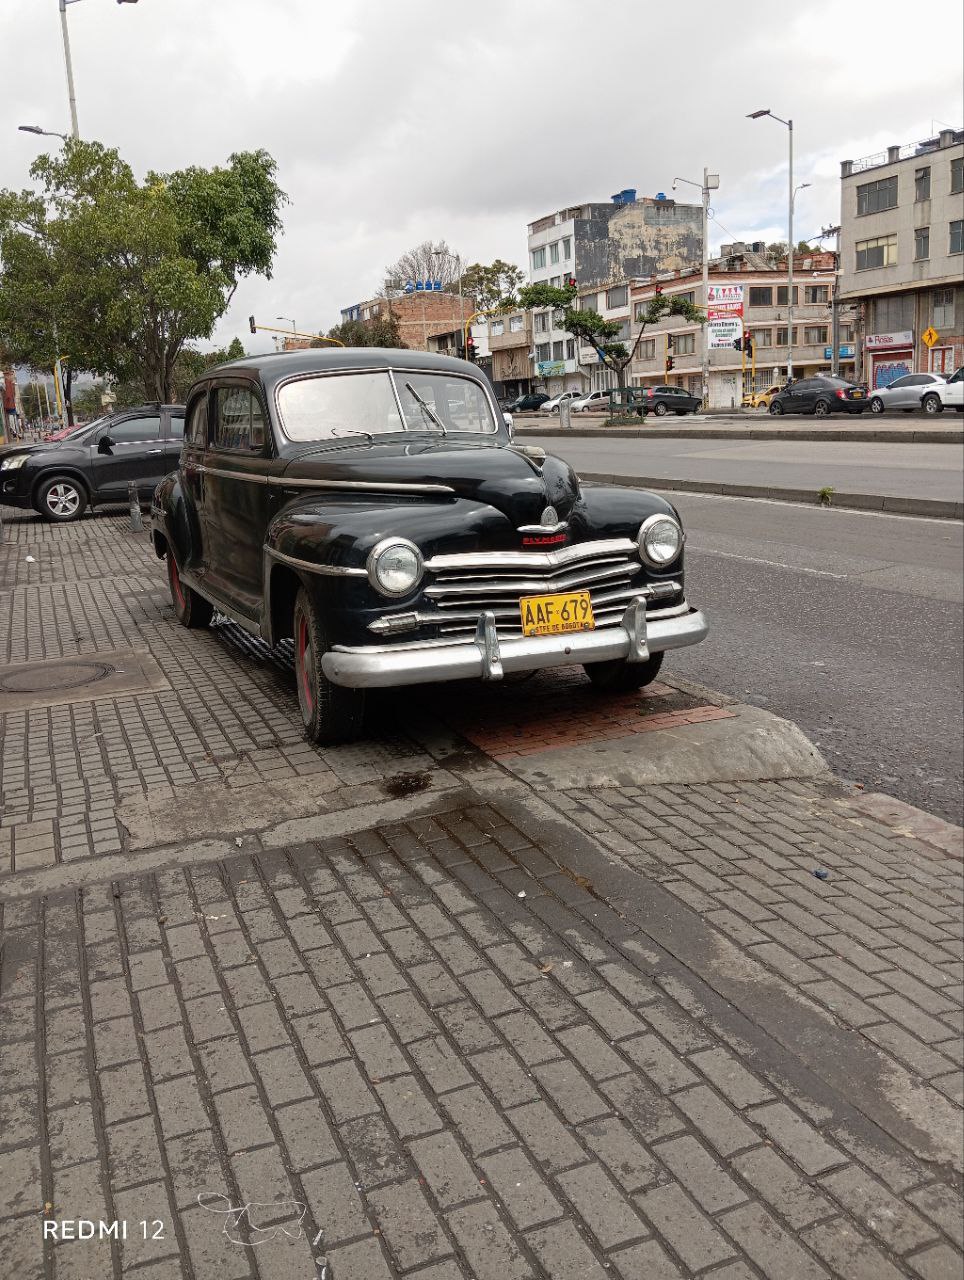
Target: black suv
x,y
821,396
523,404
94,466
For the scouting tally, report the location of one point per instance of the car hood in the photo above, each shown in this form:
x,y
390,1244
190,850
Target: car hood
x,y
8,450
497,474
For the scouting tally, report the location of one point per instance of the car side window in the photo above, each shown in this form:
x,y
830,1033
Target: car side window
x,y
239,420
907,380
134,430
196,432
177,427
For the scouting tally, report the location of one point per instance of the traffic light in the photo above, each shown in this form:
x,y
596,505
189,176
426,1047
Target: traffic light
x,y
737,344
571,282
470,348
670,342
669,363
254,327
659,291
748,344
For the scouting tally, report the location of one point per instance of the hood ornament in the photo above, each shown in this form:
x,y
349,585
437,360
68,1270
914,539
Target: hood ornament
x,y
549,517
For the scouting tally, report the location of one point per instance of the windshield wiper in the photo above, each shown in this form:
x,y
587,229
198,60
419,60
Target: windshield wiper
x,y
353,431
431,412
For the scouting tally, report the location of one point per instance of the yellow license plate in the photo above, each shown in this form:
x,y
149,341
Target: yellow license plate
x,y
554,615
858,395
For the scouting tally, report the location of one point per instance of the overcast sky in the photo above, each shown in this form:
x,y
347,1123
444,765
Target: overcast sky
x,y
394,121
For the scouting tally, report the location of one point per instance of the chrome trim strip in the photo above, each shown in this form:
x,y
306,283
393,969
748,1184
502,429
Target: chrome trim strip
x,y
558,527
331,570
358,486
231,475
532,559
370,667
451,621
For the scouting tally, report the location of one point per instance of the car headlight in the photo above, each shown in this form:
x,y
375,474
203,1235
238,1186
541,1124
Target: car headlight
x,y
395,567
660,540
11,464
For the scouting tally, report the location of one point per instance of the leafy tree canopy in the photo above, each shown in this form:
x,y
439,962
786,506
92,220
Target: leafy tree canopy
x,y
380,331
590,329
116,275
494,287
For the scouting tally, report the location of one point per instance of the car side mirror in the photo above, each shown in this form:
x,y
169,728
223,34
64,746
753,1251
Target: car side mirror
x,y
507,419
104,444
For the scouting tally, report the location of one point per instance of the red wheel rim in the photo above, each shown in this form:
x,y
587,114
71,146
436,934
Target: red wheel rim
x,y
303,651
176,583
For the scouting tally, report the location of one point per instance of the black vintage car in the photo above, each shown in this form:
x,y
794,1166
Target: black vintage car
x,y
370,505
94,466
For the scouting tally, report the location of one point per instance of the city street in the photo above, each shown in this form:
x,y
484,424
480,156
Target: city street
x,y
847,623
906,470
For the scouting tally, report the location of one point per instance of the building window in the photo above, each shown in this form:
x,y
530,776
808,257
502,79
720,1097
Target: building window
x,y
543,351
762,337
557,318
566,248
542,322
497,328
760,297
874,197
944,308
879,252
647,349
570,348
846,333
922,183
538,258
815,335
590,302
922,243
782,339
892,313
623,334
617,297
957,237
557,350
957,175
689,296
684,344
816,293
554,251
782,295
516,324
556,281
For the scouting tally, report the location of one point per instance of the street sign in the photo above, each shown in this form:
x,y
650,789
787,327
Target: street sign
x,y
930,335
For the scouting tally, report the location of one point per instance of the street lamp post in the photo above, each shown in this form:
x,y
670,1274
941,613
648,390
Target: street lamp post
x,y
74,128
711,182
757,115
44,133
294,327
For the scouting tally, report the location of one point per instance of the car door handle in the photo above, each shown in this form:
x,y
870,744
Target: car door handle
x,y
150,451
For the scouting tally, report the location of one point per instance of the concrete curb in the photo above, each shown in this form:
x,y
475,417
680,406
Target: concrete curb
x,y
887,503
838,435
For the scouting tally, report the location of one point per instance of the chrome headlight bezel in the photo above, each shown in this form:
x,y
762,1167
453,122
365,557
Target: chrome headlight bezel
x,y
646,530
13,464
376,556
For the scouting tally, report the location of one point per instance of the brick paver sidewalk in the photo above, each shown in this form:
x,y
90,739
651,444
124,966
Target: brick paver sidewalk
x,y
620,1033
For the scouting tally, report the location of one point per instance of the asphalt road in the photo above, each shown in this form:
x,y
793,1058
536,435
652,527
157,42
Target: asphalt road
x,y
899,470
849,624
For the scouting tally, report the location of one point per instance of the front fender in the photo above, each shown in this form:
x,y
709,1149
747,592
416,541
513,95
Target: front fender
x,y
174,524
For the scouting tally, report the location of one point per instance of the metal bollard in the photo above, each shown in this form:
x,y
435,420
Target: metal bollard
x,y
137,524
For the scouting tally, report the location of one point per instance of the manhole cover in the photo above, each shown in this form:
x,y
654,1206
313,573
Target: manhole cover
x,y
66,675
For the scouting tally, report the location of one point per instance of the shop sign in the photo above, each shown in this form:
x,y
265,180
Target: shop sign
x,y
886,341
724,315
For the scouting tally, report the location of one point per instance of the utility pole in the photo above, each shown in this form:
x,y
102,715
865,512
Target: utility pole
x,y
834,302
790,264
74,127
711,182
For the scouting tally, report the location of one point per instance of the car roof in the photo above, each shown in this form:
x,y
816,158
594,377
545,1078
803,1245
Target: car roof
x,y
272,367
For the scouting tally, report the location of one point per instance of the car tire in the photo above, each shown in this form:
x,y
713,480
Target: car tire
x,y
330,713
190,609
876,405
776,409
822,409
61,499
623,677
932,403
660,409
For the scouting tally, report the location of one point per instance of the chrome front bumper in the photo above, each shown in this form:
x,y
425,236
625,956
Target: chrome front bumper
x,y
489,658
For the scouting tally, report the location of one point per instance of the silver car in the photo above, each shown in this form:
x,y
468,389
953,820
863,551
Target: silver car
x,y
904,393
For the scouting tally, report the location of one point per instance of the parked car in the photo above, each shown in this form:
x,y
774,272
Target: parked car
x,y
821,396
94,466
369,505
552,405
945,395
762,399
904,393
528,403
663,400
592,402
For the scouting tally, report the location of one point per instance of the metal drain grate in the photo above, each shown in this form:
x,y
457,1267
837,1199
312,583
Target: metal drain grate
x,y
64,676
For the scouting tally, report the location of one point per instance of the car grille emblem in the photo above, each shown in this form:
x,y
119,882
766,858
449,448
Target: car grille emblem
x,y
549,517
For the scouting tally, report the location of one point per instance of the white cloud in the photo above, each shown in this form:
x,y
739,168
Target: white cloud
x,y
395,122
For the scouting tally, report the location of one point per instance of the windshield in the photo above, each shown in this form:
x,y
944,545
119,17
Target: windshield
x,y
334,405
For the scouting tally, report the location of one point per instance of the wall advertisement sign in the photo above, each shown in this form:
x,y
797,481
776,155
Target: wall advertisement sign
x,y
724,315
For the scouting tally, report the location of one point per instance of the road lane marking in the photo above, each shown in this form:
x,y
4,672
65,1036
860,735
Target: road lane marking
x,y
774,564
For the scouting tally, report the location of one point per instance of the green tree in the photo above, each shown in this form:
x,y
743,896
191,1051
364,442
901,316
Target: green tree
x,y
191,363
589,328
380,331
118,275
494,287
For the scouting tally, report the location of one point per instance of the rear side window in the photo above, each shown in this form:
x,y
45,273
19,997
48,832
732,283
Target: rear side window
x,y
135,429
197,422
177,428
239,421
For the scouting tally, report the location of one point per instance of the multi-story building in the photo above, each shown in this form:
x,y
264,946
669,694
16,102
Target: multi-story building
x,y
761,285
602,246
510,341
420,316
902,256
